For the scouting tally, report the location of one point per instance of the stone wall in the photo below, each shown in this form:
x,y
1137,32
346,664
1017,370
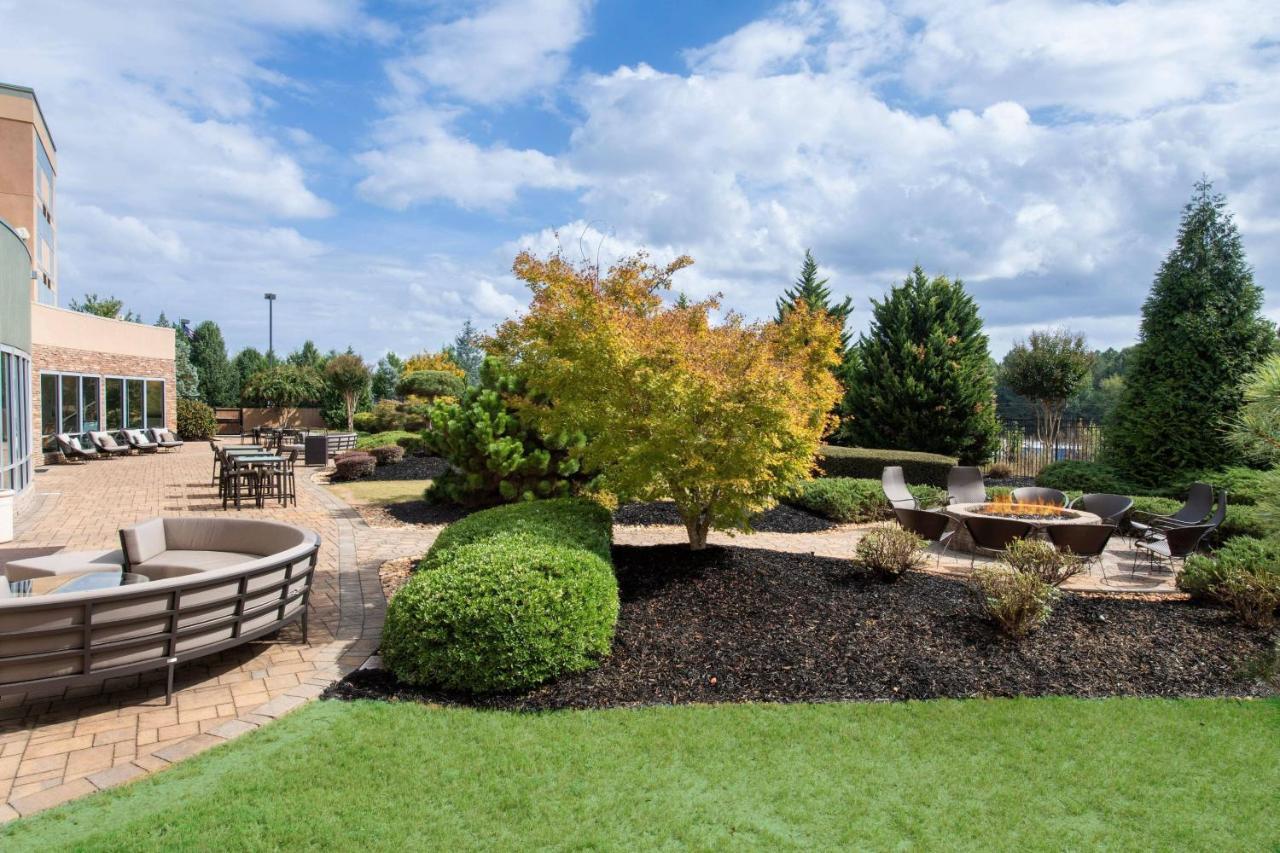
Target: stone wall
x,y
68,360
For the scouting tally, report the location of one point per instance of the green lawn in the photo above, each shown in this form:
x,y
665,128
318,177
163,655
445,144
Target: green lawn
x,y
380,492
1040,773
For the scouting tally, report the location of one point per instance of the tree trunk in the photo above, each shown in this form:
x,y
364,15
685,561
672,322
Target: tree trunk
x,y
351,411
698,526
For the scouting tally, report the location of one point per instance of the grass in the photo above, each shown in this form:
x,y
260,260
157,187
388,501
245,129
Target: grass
x,y
1025,773
380,492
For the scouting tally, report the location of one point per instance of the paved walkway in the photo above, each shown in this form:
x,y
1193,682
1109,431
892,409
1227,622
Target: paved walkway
x,y
70,742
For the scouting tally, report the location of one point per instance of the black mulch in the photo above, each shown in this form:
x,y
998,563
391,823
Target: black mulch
x,y
410,468
780,519
738,625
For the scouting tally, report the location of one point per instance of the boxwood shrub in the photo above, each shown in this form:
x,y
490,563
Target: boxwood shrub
x,y
846,499
353,466
381,439
506,599
927,469
387,454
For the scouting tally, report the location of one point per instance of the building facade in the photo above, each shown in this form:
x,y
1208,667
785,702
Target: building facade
x,y
65,371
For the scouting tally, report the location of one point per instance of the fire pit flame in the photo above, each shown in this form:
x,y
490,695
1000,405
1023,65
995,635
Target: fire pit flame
x,y
1005,505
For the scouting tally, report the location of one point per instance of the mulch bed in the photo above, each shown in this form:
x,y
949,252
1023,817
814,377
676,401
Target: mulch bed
x,y
409,513
739,625
780,519
410,468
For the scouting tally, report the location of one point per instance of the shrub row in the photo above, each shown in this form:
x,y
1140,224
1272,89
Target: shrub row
x,y
353,465
928,469
506,599
846,499
1245,486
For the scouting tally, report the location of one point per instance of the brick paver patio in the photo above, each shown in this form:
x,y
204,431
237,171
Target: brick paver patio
x,y
74,741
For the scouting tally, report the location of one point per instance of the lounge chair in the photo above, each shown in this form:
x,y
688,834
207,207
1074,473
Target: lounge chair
x,y
1176,543
138,441
966,486
1112,509
994,534
1087,541
165,439
1199,502
71,447
895,488
107,444
927,524
1039,495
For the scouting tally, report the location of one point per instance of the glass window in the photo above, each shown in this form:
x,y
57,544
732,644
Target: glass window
x,y
133,403
115,404
155,403
15,414
48,406
70,404
89,404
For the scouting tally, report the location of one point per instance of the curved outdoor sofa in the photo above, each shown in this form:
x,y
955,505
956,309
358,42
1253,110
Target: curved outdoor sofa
x,y
213,584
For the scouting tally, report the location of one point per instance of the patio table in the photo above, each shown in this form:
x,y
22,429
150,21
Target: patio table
x,y
259,460
73,582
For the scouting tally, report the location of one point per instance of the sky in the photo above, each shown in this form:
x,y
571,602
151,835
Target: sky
x,y
378,165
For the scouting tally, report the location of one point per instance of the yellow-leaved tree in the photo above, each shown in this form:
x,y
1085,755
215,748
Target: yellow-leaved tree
x,y
722,418
432,361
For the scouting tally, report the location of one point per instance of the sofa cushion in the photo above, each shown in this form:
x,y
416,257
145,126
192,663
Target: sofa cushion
x,y
174,563
143,541
243,536
63,563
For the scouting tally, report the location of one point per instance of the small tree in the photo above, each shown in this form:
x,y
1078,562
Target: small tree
x,y
246,363
493,456
348,375
285,386
430,384
467,353
434,361
387,376
722,419
1049,368
104,306
187,379
1202,336
814,292
921,378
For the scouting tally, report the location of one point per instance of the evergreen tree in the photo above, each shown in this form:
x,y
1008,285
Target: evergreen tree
x,y
307,355
815,293
188,380
387,376
1202,337
209,355
247,363
921,378
467,353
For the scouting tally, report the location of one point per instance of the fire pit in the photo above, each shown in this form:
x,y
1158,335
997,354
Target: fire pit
x,y
1039,514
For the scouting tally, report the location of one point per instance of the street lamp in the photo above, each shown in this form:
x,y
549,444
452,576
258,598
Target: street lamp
x,y
271,323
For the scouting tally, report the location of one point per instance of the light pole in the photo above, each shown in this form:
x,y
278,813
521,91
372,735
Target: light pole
x,y
271,323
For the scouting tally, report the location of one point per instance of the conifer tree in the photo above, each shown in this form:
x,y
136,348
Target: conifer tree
x,y
1202,337
921,378
817,295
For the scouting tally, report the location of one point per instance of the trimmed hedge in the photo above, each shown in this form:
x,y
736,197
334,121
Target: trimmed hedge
x,y
1090,477
387,454
381,439
506,599
846,499
353,466
927,469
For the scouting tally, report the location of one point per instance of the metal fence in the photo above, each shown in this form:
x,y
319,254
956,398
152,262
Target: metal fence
x,y
1025,455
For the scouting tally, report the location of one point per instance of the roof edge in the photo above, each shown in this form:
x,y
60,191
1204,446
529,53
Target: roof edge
x,y
27,90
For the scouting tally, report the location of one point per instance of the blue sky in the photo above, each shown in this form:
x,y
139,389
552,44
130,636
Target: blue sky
x,y
378,165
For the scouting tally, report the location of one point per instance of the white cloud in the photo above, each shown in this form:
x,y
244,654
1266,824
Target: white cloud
x,y
500,52
421,158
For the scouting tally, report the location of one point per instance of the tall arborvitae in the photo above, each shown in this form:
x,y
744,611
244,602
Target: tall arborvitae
x,y
921,378
1202,336
815,293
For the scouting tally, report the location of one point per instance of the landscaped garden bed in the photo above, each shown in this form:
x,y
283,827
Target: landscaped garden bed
x,y
737,625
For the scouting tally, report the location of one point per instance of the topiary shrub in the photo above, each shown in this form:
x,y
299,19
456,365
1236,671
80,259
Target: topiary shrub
x,y
1040,559
846,500
365,422
889,552
353,466
1239,556
387,454
413,443
519,595
929,469
386,416
195,420
493,456
430,384
380,439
